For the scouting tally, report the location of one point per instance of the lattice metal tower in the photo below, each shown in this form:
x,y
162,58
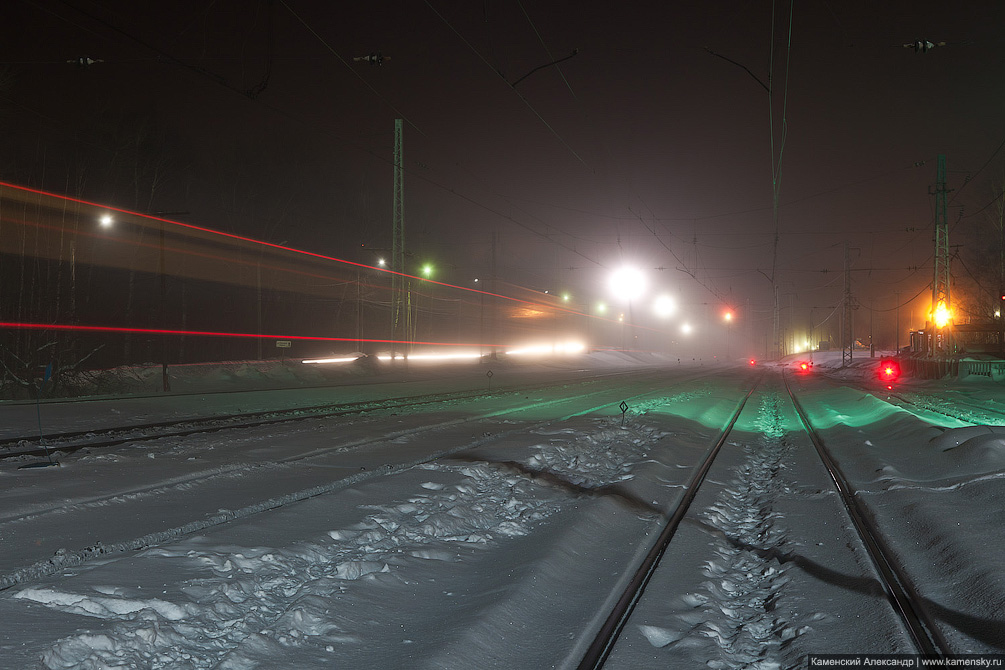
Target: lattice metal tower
x,y
400,312
940,282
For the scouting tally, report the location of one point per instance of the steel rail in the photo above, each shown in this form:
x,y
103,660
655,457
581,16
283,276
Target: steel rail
x,y
131,434
217,423
599,650
47,566
123,434
901,593
944,411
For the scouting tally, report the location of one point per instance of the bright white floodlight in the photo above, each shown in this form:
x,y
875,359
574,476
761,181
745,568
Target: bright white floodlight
x,y
664,306
628,283
686,329
106,221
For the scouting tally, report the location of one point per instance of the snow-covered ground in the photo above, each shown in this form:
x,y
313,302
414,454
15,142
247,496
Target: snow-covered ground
x,y
492,532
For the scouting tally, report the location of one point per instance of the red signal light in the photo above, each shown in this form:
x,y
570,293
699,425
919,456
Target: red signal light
x,y
753,362
804,366
889,370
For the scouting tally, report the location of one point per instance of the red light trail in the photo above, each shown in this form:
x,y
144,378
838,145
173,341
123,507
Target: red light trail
x,y
250,240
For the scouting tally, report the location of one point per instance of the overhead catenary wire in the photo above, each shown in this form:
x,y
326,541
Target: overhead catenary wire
x,y
554,62
221,81
776,166
350,67
413,125
486,204
512,86
250,94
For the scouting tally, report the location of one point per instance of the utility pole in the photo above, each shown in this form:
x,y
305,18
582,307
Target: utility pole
x,y
776,331
847,329
162,317
494,314
1001,280
872,342
897,296
811,343
400,309
940,282
165,380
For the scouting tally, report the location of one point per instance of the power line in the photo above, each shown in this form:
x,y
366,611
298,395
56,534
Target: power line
x,y
512,86
993,201
970,178
348,66
547,51
221,81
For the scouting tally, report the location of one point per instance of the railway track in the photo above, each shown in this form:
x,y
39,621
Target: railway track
x,y
617,619
67,442
956,408
910,607
900,590
919,402
720,513
583,402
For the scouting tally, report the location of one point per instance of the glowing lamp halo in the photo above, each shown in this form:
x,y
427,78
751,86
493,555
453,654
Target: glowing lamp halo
x,y
941,316
627,283
664,306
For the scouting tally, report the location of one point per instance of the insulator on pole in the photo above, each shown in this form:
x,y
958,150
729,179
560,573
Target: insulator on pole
x,y
373,59
84,61
923,46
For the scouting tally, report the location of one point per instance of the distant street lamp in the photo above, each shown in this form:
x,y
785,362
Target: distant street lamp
x,y
628,283
942,315
664,306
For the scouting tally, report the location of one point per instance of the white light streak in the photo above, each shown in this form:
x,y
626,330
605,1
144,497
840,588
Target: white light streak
x,y
346,359
461,355
559,348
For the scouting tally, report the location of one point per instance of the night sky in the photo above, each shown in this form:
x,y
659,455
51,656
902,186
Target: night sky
x,y
650,146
